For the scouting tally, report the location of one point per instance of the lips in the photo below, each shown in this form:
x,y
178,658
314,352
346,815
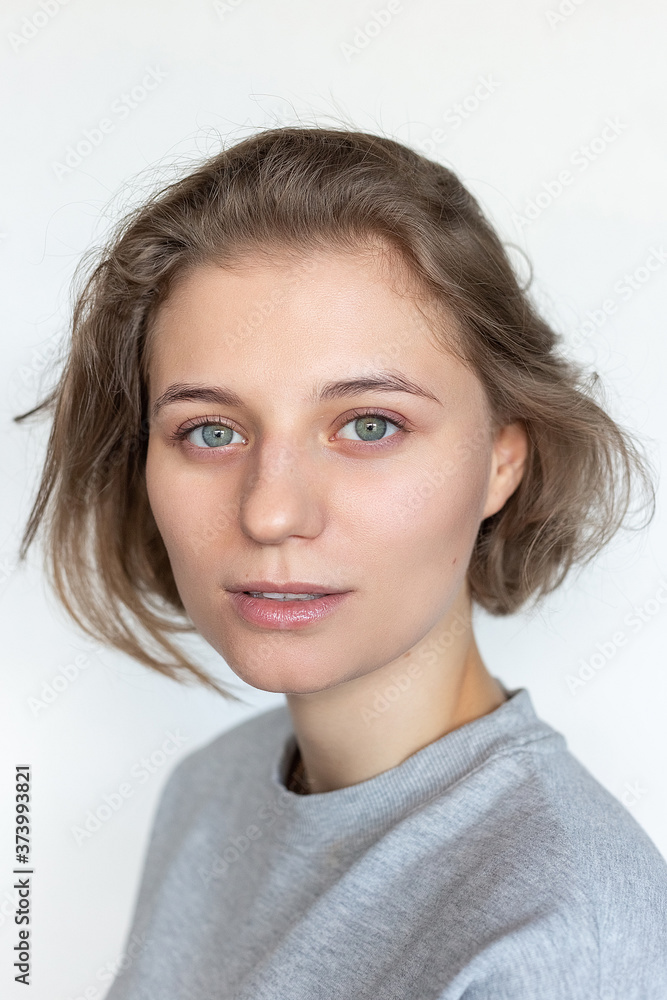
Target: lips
x,y
274,613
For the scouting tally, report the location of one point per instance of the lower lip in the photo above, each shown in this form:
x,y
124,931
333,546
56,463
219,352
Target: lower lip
x,y
285,614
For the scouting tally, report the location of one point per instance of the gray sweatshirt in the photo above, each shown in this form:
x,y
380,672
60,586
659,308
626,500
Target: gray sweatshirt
x,y
489,865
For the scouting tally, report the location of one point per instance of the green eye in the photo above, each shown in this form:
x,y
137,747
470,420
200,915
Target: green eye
x,y
211,435
370,427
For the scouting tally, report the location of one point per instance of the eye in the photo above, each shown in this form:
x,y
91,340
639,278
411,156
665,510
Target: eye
x,y
210,435
365,425
370,427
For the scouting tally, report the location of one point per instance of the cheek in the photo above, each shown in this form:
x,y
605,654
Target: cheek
x,y
425,524
162,497
176,503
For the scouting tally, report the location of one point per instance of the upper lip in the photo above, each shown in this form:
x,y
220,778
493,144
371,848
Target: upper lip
x,y
292,587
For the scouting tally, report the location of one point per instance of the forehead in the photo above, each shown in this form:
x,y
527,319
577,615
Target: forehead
x,y
297,319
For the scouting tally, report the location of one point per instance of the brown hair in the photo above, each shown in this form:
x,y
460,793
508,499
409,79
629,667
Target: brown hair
x,y
287,190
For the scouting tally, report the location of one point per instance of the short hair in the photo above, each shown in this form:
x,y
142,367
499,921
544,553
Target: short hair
x,y
293,190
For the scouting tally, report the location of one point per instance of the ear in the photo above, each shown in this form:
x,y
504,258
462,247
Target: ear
x,y
508,461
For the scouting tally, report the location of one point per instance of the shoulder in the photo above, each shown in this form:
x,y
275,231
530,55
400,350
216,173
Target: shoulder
x,y
210,783
564,822
242,746
585,884
542,802
596,837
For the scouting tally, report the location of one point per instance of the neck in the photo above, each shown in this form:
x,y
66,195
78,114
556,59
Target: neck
x,y
367,725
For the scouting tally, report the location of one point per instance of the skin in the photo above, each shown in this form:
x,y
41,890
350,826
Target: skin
x,y
298,495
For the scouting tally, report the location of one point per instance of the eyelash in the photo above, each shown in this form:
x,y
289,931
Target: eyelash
x,y
181,433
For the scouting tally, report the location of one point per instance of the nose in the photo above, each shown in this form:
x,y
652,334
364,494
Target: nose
x,y
281,495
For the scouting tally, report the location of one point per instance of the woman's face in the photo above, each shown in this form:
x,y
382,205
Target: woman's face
x,y
282,482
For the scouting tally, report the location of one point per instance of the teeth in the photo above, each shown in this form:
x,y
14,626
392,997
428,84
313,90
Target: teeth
x,y
286,597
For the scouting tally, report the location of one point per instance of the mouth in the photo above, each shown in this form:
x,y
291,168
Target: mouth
x,y
284,597
285,606
293,590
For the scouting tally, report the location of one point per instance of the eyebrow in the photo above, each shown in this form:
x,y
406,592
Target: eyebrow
x,y
382,381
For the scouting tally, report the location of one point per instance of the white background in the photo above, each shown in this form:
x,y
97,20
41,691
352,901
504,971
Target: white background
x,y
223,71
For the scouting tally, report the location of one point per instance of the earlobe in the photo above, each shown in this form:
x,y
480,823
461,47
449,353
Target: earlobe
x,y
510,452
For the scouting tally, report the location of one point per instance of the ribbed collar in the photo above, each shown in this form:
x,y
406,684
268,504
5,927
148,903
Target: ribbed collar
x,y
367,808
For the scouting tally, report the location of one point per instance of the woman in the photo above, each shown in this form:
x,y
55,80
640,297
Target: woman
x,y
309,412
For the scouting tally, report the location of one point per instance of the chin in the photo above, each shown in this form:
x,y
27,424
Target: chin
x,y
267,668
284,683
